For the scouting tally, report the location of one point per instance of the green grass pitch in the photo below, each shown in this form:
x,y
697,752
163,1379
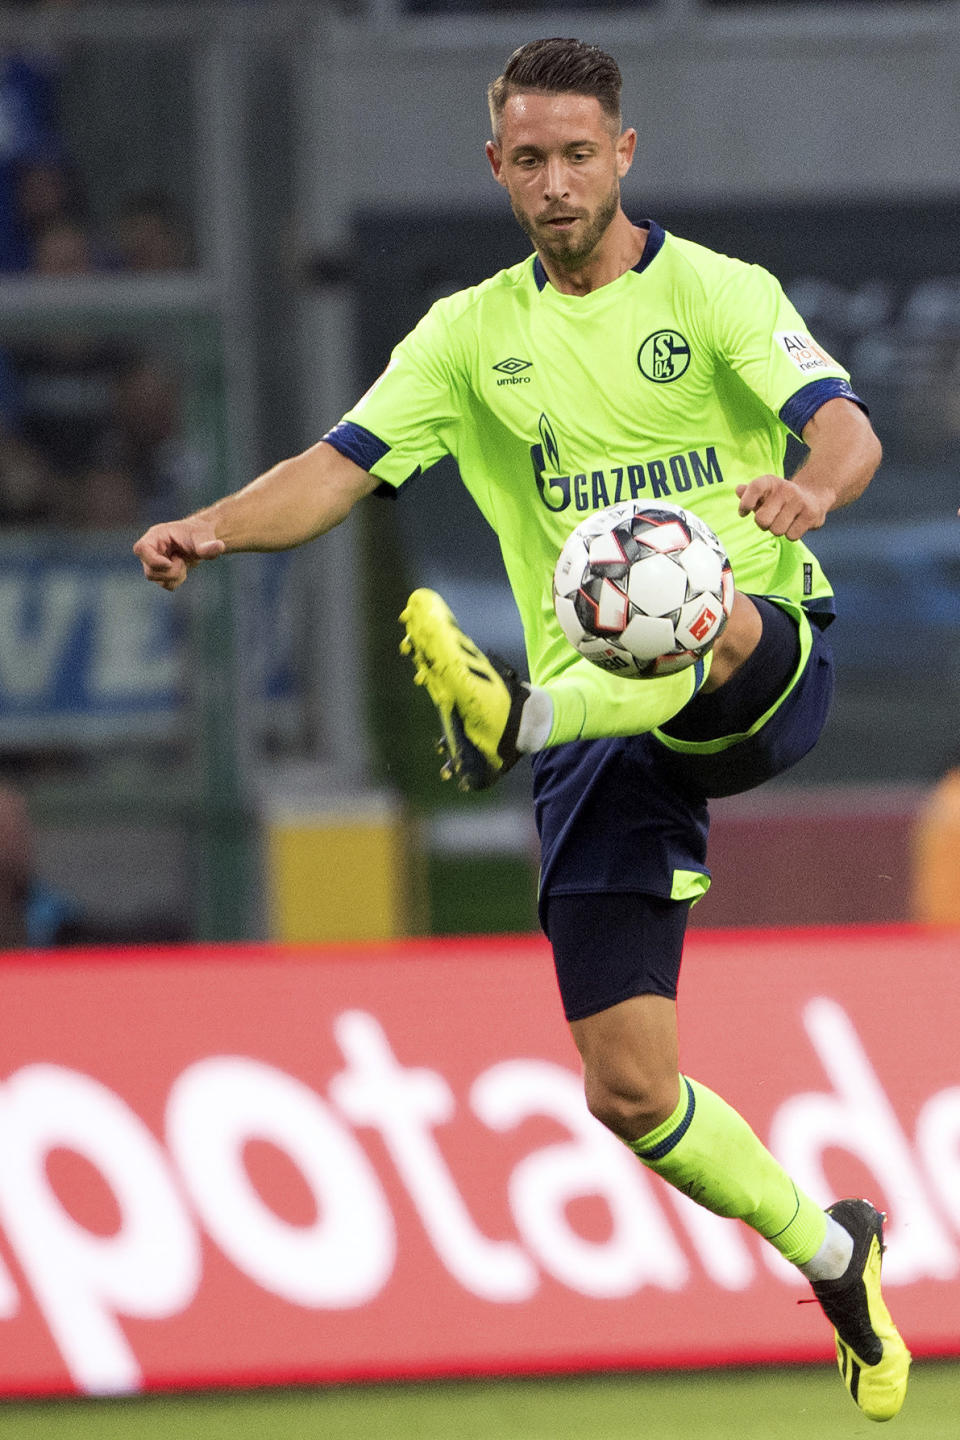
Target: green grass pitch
x,y
756,1404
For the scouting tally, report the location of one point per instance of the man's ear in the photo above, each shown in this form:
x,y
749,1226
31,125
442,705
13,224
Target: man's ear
x,y
626,146
495,157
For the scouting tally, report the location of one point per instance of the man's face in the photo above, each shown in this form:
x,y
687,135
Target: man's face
x,y
560,162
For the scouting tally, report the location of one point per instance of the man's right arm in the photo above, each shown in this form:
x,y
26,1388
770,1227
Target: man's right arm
x,y
295,501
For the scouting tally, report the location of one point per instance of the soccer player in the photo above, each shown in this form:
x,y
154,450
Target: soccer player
x,y
617,361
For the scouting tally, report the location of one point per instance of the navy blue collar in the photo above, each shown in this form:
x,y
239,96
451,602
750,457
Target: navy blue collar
x,y
655,238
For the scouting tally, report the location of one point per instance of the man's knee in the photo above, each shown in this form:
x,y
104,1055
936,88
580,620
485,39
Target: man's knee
x,y
736,643
631,1106
630,1064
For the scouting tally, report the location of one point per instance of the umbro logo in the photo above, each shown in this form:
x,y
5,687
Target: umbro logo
x,y
510,369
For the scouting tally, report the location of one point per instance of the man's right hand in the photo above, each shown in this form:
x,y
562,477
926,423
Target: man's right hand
x,y
169,550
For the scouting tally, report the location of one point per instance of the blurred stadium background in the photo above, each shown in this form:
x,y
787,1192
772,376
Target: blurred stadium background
x,y
215,220
220,217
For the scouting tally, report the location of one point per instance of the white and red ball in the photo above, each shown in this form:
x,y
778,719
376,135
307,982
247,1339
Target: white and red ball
x,y
641,589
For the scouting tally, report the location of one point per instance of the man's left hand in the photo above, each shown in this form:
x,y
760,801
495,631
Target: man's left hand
x,y
782,506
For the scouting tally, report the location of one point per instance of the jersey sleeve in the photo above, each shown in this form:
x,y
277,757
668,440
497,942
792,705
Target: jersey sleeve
x,y
760,335
405,421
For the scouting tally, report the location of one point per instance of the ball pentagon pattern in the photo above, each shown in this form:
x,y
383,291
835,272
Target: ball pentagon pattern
x,y
642,589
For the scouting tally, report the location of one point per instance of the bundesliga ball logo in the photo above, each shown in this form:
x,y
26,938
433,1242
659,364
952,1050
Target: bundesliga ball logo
x,y
642,590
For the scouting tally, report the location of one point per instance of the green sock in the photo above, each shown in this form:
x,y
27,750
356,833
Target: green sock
x,y
590,703
710,1153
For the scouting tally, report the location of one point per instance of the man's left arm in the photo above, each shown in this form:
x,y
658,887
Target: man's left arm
x,y
844,454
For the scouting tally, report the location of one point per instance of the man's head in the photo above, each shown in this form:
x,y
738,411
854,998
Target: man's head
x,y
558,67
558,150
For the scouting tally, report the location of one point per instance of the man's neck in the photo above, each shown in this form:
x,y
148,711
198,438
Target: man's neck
x,y
619,251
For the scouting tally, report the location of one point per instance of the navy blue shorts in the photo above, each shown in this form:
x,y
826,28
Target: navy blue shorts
x,y
629,816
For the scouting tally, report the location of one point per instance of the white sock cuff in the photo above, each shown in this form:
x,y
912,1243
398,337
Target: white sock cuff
x,y
833,1257
536,721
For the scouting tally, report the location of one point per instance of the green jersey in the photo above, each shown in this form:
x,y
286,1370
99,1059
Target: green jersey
x,y
677,381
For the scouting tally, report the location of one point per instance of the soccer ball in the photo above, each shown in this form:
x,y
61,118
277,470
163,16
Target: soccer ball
x,y
642,590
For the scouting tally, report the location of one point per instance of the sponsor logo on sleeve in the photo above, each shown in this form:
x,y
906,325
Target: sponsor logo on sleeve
x,y
805,353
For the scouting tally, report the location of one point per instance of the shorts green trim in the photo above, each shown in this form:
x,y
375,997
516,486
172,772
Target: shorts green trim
x,y
689,885
724,742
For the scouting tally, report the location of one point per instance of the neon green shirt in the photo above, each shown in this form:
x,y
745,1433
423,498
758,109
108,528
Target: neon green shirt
x,y
677,381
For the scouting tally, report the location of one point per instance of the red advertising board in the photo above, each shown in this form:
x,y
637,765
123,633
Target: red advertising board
x,y
254,1165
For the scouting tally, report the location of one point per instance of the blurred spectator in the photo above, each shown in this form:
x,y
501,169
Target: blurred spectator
x,y
16,868
936,852
94,437
56,394
63,246
31,913
34,914
27,492
151,235
46,190
27,485
66,380
140,466
29,137
48,196
68,384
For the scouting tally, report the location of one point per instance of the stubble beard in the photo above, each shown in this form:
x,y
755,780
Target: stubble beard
x,y
563,250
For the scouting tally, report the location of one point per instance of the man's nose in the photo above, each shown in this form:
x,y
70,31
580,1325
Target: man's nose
x,y
555,180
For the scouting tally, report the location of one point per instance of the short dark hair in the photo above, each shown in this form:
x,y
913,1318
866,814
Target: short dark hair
x,y
555,67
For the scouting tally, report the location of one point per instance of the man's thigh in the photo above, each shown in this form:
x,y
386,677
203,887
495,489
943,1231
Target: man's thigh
x,y
610,947
612,820
755,736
